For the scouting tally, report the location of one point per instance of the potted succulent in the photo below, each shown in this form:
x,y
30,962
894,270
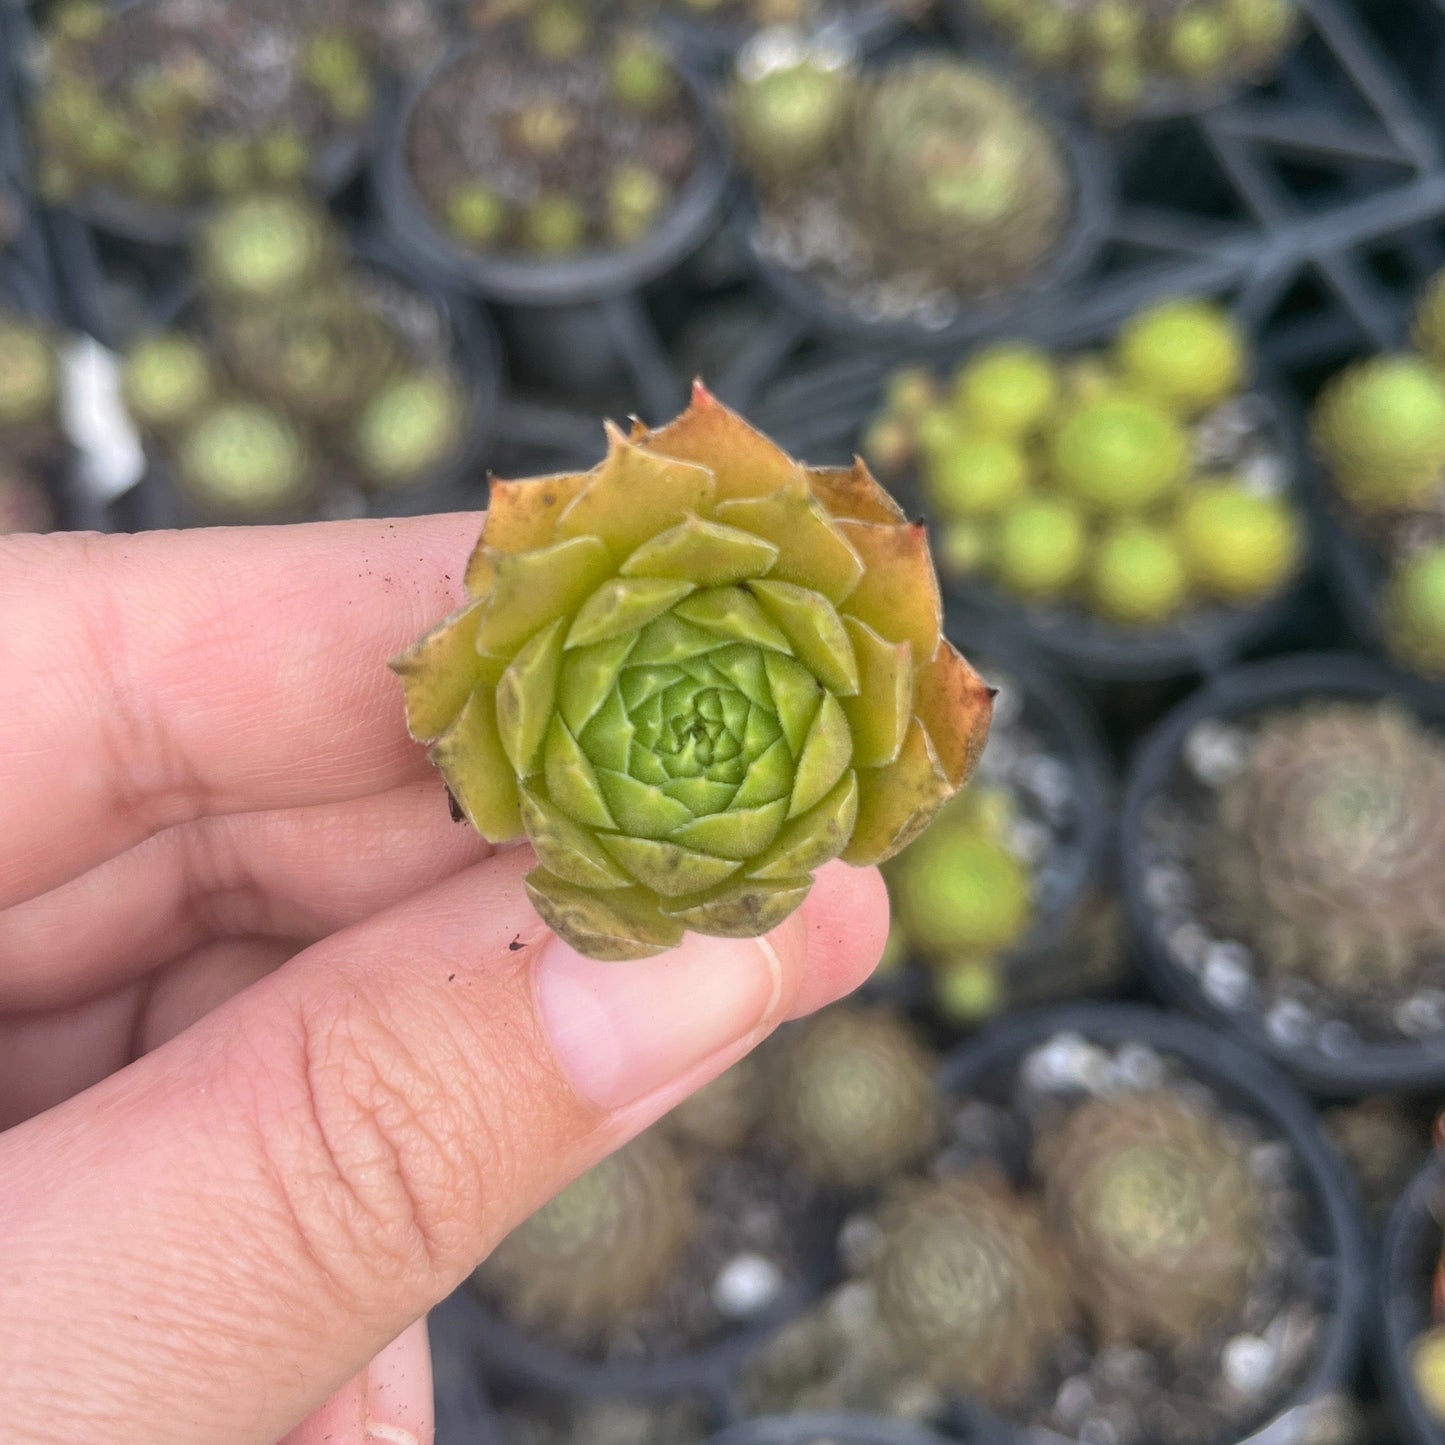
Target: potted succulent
x,y
1411,1349
1282,850
1132,1230
306,376
1378,429
1007,900
143,112
657,1270
1133,509
924,198
1138,57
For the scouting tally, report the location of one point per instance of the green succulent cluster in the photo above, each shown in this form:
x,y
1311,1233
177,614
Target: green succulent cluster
x,y
946,170
961,900
1123,48
1379,428
536,203
603,1248
1327,850
1076,480
852,1101
136,100
1159,1215
289,371
969,1285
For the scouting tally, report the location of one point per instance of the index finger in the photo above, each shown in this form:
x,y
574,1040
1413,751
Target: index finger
x,y
156,678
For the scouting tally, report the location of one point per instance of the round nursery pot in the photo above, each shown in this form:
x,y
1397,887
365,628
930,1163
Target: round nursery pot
x,y
336,162
1092,172
826,1429
1326,1059
1245,1083
589,277
714,43
550,1366
1094,650
476,354
1407,1265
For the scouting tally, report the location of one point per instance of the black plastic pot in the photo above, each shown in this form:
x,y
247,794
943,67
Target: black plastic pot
x,y
713,44
1407,1266
1205,642
455,485
1242,1081
810,1429
1092,170
591,277
338,161
463,1411
1366,1067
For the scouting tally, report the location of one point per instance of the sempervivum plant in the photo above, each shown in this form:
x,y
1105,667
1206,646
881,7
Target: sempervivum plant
x,y
1129,51
851,1098
903,195
970,1287
1330,844
605,1246
1159,1214
1108,496
168,103
690,677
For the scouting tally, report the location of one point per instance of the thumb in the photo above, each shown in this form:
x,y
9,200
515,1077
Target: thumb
x,y
213,1241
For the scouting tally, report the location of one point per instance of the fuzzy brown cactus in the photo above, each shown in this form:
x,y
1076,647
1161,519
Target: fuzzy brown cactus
x,y
1158,1212
956,175
970,1287
605,1246
852,1100
1329,848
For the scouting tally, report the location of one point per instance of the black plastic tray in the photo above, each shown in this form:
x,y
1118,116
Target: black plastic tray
x,y
1407,1264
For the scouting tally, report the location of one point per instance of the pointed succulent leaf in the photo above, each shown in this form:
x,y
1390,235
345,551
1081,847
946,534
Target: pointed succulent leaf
x,y
708,553
811,551
896,802
813,838
745,910
879,712
615,925
522,516
852,492
471,758
564,847
743,461
439,672
621,607
898,595
535,588
815,631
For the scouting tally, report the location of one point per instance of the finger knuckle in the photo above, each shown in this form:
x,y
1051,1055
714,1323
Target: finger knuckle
x,y
396,1165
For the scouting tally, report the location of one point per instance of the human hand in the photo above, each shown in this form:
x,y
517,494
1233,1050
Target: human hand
x,y
284,1051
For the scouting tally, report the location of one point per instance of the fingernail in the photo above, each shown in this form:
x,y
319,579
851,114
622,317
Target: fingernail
x,y
399,1391
621,1030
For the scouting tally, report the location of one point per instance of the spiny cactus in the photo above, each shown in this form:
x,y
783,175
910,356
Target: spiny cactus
x,y
1380,428
1158,1212
970,1287
954,174
1328,849
852,1099
603,1248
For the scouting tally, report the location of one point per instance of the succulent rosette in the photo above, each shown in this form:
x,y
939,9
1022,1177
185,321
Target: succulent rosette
x,y
690,677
